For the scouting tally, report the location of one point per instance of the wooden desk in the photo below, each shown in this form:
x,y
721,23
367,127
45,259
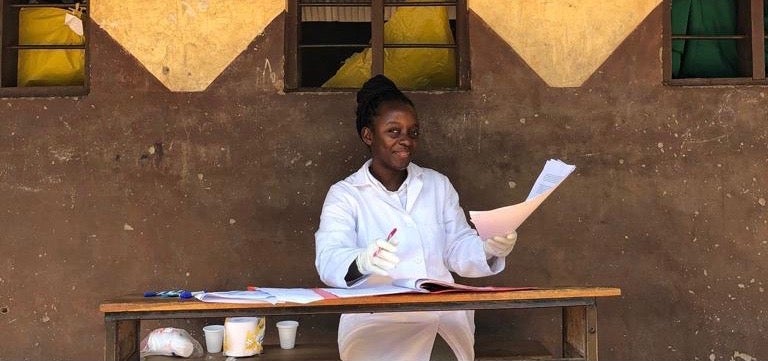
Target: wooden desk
x,y
122,316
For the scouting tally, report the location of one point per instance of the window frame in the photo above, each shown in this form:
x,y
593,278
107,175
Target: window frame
x,y
293,28
9,47
757,36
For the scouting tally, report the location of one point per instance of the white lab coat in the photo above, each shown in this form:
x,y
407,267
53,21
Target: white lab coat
x,y
434,240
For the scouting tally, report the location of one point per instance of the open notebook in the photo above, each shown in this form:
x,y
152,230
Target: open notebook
x,y
427,285
413,285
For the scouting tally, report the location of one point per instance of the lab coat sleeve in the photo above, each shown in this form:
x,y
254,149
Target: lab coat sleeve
x,y
464,252
335,240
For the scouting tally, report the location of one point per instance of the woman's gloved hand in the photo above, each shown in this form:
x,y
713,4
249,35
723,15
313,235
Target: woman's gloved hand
x,y
500,246
379,257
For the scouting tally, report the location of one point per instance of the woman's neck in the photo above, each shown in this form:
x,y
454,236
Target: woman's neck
x,y
390,179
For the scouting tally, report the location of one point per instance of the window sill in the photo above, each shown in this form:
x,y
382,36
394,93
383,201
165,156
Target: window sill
x,y
705,82
43,92
354,90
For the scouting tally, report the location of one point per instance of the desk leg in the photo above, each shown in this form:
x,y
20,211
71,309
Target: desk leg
x,y
580,332
122,340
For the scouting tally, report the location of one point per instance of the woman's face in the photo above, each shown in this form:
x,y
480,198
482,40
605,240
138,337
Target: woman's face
x,y
394,136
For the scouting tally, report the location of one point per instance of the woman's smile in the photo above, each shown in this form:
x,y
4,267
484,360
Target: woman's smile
x,y
403,154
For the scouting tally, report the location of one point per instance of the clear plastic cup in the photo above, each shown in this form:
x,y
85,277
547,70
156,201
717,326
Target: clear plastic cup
x,y
287,332
214,338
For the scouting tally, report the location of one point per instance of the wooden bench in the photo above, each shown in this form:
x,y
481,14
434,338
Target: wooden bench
x,y
123,316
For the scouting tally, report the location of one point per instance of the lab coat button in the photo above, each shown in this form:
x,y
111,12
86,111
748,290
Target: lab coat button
x,y
419,261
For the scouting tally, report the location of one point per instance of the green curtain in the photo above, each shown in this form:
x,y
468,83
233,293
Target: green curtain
x,y
704,58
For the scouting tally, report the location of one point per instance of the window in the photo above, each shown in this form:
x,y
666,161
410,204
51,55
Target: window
x,y
334,45
712,42
43,48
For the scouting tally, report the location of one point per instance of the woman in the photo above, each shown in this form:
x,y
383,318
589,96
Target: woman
x,y
355,244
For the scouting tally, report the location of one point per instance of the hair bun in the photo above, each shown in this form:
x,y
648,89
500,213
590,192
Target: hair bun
x,y
375,86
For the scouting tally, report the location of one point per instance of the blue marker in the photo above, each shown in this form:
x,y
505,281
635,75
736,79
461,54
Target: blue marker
x,y
173,293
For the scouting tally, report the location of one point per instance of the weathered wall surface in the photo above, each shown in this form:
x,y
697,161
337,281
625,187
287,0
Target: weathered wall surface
x,y
185,44
564,42
668,201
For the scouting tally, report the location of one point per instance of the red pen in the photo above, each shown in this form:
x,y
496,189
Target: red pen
x,y
391,233
389,236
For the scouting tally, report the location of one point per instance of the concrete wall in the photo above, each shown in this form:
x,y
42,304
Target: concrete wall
x,y
668,200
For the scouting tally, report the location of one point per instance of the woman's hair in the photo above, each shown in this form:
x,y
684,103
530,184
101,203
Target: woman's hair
x,y
375,91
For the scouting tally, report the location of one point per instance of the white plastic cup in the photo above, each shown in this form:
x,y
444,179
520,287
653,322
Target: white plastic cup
x,y
214,338
287,332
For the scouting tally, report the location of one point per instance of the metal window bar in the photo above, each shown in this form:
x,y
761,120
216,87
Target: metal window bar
x,y
709,37
306,46
83,6
377,37
425,46
386,46
758,34
46,47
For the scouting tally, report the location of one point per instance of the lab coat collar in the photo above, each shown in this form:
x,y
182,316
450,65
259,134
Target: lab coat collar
x,y
360,177
414,182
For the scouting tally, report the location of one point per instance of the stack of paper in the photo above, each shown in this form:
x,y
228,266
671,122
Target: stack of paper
x,y
502,221
297,295
237,297
262,295
366,291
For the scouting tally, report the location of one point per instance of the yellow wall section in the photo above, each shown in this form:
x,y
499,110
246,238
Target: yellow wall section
x,y
186,44
564,41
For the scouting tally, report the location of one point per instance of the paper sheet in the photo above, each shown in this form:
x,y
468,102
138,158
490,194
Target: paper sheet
x,y
237,297
297,295
367,291
501,221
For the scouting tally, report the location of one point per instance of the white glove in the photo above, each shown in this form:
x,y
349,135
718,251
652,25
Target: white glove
x,y
379,257
500,246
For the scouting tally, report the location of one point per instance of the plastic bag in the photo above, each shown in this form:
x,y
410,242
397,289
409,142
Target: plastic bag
x,y
47,67
409,68
170,341
244,336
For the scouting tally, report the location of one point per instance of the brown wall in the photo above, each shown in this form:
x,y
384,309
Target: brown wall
x,y
668,200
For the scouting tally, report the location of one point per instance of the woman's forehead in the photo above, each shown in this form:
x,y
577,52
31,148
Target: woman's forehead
x,y
390,111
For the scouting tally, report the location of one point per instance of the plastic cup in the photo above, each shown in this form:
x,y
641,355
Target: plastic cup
x,y
214,338
287,332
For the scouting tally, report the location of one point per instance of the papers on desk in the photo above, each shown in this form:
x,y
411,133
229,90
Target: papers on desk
x,y
297,295
501,221
308,295
366,291
237,297
262,295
